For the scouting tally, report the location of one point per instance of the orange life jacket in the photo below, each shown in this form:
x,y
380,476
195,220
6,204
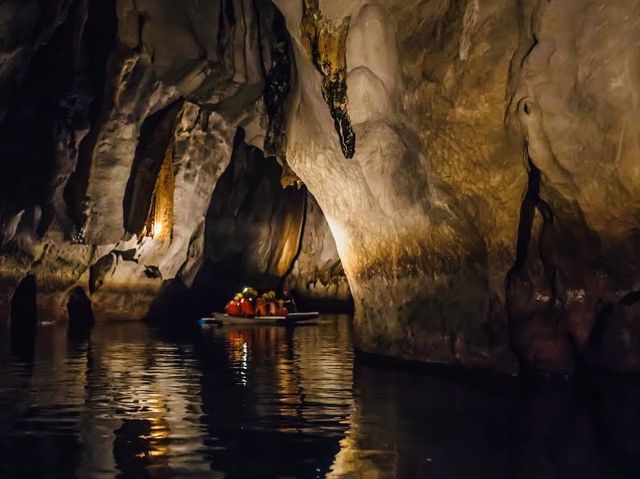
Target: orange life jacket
x,y
247,308
261,309
232,308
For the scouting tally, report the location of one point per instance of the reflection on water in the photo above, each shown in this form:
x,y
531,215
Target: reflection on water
x,y
274,402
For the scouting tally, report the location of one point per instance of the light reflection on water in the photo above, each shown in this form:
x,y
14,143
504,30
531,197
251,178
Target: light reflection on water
x,y
135,402
276,402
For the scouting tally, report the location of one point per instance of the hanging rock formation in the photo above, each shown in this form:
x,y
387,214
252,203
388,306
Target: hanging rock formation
x,y
325,43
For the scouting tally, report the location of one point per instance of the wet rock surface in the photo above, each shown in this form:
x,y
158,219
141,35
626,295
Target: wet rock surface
x,y
573,104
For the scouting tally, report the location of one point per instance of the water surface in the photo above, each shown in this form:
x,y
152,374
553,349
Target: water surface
x,y
136,401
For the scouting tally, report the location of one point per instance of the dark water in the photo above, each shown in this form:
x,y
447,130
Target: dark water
x,y
274,402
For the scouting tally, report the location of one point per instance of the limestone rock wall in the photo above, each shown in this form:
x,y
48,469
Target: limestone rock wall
x,y
96,95
425,214
489,207
573,98
317,279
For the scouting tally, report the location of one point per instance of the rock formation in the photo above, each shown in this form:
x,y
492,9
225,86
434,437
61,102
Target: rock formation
x,y
414,214
489,206
317,278
112,162
474,161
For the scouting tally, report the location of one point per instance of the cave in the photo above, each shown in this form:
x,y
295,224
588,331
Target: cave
x,y
329,233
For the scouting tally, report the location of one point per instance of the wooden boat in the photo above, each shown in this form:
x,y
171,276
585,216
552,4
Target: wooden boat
x,y
220,319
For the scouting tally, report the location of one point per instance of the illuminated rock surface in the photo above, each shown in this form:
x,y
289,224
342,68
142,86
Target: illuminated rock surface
x,y
137,115
475,162
459,109
425,214
317,279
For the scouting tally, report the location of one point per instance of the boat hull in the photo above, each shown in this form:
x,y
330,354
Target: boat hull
x,y
292,318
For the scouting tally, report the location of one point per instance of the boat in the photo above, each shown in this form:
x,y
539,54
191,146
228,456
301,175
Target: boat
x,y
220,319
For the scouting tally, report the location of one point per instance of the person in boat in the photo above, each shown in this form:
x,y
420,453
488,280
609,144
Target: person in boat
x,y
270,303
233,307
246,307
248,301
281,311
289,302
261,306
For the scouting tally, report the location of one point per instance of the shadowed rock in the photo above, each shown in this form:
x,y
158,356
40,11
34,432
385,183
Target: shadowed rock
x,y
81,318
24,318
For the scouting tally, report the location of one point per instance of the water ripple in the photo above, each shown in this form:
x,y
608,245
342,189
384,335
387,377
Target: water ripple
x,y
131,403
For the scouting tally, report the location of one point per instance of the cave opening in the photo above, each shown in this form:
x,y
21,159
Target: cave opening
x,y
261,234
252,228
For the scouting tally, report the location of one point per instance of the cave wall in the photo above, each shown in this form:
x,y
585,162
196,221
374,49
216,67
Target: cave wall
x,y
317,279
95,96
573,100
476,165
425,214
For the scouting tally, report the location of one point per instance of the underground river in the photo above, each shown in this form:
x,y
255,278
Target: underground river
x,y
137,401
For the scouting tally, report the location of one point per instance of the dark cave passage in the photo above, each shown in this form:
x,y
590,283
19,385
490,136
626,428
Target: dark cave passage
x,y
259,234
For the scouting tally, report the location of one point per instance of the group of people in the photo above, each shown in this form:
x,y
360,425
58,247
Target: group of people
x,y
249,304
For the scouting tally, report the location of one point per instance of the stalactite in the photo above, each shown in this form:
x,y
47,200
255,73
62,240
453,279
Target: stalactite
x,y
326,43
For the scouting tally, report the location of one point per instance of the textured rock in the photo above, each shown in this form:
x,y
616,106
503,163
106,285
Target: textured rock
x,y
317,279
137,122
494,146
325,43
573,101
422,262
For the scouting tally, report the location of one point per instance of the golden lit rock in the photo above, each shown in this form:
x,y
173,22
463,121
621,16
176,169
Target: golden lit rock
x,y
160,221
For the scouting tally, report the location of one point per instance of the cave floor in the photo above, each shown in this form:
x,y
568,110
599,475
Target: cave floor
x,y
137,401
